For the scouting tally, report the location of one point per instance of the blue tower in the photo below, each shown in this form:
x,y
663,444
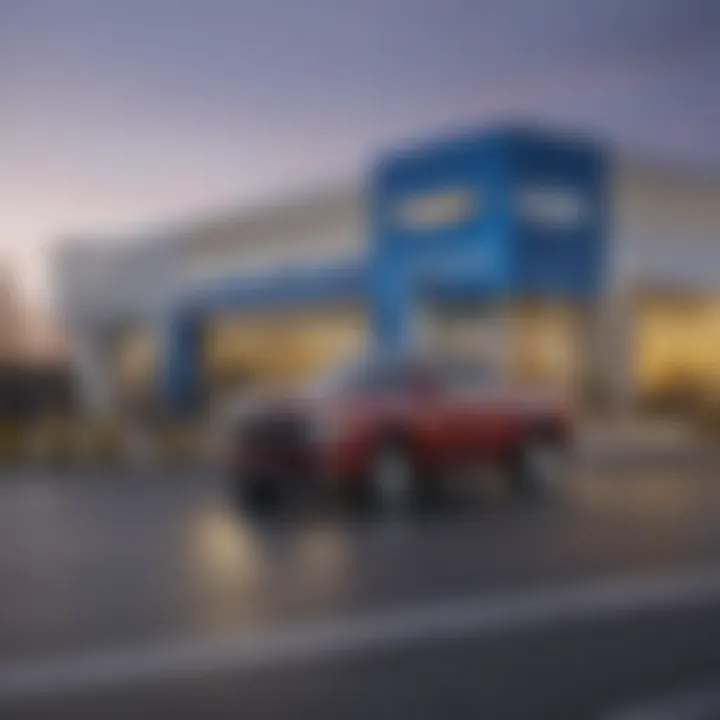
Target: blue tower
x,y
512,214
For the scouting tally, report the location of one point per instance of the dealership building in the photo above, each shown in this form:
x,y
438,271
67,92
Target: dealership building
x,y
548,256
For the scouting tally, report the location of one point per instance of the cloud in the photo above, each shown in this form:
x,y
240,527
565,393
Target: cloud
x,y
122,109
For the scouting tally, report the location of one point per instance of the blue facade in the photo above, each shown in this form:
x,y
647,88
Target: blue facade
x,y
463,248
512,213
524,218
563,256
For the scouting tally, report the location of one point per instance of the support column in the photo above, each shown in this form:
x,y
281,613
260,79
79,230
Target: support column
x,y
619,338
605,350
181,364
92,360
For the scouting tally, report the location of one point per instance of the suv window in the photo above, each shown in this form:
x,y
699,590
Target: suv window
x,y
463,375
382,377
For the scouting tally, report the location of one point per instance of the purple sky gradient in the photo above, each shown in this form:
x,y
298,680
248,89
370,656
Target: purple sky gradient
x,y
117,113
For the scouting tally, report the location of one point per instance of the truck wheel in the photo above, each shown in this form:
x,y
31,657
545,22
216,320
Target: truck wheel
x,y
539,467
256,495
396,479
392,476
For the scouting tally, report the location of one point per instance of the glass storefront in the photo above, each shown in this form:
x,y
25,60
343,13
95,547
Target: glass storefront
x,y
533,343
545,345
245,348
676,352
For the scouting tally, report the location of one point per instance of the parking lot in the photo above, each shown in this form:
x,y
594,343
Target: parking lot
x,y
127,591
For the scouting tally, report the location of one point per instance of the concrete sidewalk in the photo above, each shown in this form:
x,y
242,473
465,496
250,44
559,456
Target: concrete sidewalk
x,y
633,437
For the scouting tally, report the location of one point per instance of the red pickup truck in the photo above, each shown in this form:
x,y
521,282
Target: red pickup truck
x,y
389,431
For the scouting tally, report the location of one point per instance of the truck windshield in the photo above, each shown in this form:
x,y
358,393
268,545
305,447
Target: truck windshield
x,y
463,374
391,374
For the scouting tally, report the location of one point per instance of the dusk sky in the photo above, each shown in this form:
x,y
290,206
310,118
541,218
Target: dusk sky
x,y
120,114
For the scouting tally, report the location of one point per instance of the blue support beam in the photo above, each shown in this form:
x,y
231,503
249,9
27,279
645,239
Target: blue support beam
x,y
182,371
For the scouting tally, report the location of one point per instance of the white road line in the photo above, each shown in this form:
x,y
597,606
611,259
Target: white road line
x,y
452,619
697,704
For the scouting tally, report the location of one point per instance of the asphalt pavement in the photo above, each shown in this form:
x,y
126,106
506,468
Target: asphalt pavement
x,y
147,595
